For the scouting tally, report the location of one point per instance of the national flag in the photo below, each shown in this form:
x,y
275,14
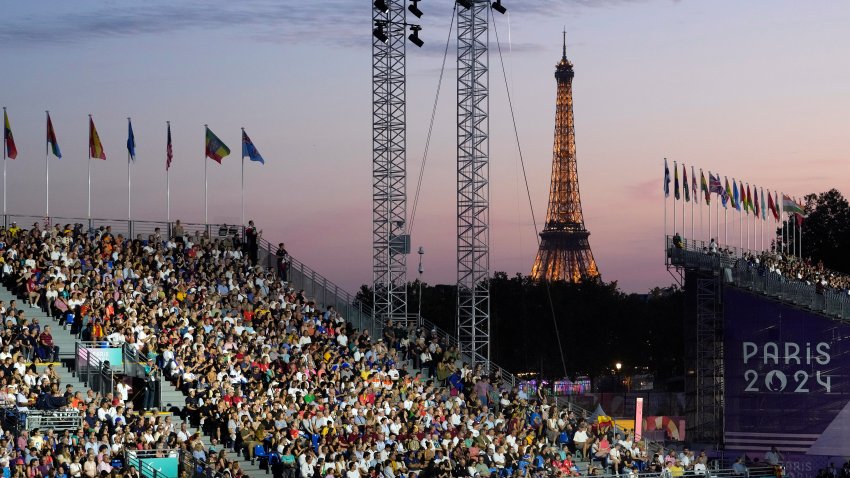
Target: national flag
x,y
169,153
11,149
215,148
772,206
95,146
727,192
750,205
685,187
249,150
756,208
704,186
791,206
694,185
131,140
675,181
666,179
736,200
51,138
763,205
714,184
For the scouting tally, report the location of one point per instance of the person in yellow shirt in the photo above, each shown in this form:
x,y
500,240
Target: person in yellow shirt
x,y
676,469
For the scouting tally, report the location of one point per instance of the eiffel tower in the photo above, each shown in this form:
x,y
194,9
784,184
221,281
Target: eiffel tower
x,y
564,249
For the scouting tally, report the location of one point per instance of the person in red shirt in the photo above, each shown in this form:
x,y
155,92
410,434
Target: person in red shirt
x,y
48,348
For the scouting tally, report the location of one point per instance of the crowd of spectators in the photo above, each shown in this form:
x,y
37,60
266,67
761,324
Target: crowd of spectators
x,y
787,266
270,374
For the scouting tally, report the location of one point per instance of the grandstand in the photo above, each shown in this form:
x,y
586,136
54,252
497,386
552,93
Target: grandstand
x,y
767,354
184,357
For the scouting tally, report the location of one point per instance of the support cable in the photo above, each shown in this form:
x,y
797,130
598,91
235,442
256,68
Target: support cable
x,y
431,125
528,192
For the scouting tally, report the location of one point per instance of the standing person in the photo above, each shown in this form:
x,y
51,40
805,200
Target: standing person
x,y
252,237
150,386
282,262
177,232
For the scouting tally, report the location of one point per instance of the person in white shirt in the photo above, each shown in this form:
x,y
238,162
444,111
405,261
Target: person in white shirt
x,y
773,457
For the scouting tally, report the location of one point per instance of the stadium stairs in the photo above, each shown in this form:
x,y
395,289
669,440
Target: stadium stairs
x,y
172,398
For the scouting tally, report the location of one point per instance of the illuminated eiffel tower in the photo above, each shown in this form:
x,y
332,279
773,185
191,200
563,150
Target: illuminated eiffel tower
x,y
564,250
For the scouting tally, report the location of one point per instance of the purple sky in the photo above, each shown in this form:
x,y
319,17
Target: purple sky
x,y
755,90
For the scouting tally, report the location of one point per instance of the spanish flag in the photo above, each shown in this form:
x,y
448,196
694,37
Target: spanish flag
x,y
11,149
216,149
95,146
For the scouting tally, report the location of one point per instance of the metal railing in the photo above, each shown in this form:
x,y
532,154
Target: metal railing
x,y
736,270
92,371
58,420
136,459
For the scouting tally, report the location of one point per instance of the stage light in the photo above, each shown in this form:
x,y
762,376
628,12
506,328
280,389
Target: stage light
x,y
382,6
378,33
414,8
497,5
467,4
414,36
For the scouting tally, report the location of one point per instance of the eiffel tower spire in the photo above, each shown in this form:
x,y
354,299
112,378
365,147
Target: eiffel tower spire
x,y
564,249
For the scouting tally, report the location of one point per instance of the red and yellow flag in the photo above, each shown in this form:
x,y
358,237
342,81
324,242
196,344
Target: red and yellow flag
x,y
11,149
95,146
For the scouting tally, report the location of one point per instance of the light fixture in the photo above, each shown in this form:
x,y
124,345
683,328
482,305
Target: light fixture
x,y
414,36
414,8
618,366
467,4
378,33
382,6
497,5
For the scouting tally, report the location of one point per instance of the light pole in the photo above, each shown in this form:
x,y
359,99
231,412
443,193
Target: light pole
x,y
421,252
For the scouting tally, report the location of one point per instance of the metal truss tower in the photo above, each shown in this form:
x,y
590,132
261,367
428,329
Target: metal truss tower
x,y
390,244
473,171
704,380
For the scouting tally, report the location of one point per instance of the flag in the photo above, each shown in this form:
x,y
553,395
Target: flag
x,y
169,153
215,148
95,146
772,206
714,184
748,200
51,138
694,185
666,179
249,150
756,208
704,186
727,192
791,206
675,181
131,140
11,149
685,187
736,203
763,205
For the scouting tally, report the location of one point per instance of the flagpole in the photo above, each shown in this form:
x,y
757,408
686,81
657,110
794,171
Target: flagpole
x,y
4,162
243,183
90,140
675,191
46,171
205,182
167,183
666,189
129,181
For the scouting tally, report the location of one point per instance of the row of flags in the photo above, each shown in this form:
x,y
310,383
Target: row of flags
x,y
215,148
746,199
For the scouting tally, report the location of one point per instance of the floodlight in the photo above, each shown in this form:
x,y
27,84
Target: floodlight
x,y
414,36
378,33
497,5
414,8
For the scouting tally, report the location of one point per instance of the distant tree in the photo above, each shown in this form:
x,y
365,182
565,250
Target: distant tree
x,y
826,230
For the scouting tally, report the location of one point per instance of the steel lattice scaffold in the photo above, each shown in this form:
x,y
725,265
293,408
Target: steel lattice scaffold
x,y
389,176
473,171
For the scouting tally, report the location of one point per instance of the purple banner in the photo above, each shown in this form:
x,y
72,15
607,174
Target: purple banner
x,y
786,378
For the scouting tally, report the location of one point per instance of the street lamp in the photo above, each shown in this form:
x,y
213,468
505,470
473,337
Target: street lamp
x,y
421,253
618,366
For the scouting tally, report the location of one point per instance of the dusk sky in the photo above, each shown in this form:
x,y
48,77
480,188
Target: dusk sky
x,y
758,90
